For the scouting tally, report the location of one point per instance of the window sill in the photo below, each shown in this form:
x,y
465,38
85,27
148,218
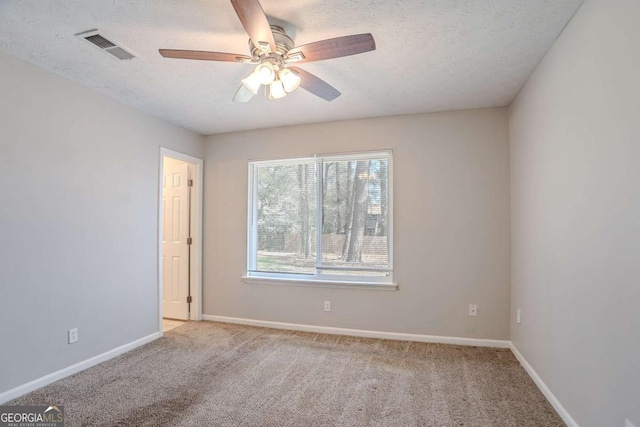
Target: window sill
x,y
321,283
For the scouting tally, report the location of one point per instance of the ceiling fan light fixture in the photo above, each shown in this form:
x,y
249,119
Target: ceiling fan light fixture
x,y
276,90
266,73
290,80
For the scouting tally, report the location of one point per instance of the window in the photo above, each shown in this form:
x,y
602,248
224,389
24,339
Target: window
x,y
321,219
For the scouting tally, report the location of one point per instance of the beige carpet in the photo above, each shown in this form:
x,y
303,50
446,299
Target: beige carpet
x,y
216,374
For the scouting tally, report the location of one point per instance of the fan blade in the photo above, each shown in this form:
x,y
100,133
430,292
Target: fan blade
x,y
315,85
334,48
254,22
243,95
203,55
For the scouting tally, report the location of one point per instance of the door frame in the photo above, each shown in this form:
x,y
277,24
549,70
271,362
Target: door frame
x,y
195,259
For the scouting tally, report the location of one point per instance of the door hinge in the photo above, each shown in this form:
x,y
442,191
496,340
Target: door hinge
x,y
190,183
189,240
189,299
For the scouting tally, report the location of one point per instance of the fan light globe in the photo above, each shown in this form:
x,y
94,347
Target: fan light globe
x,y
252,82
276,90
266,73
290,80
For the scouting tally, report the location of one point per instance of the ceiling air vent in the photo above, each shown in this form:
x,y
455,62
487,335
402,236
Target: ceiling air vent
x,y
100,41
105,45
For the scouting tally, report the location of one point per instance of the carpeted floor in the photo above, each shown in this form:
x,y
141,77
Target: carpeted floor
x,y
217,374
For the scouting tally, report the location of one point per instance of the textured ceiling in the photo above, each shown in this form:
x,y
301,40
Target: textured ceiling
x,y
432,55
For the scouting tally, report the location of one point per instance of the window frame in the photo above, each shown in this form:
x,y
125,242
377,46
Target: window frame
x,y
318,279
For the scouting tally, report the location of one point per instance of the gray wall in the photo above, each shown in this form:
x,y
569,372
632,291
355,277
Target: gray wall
x,y
451,249
78,221
575,162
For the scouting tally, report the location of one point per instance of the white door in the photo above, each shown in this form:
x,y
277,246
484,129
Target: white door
x,y
175,231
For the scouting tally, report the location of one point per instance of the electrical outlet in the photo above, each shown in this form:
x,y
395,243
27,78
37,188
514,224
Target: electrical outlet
x,y
327,306
473,310
73,335
518,316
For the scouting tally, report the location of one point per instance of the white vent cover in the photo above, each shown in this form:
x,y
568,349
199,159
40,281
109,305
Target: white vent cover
x,y
99,41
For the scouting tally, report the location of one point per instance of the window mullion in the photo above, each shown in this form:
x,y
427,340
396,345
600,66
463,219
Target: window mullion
x,y
252,231
319,187
254,218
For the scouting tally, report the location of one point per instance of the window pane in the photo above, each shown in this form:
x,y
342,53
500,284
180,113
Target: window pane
x,y
286,217
355,216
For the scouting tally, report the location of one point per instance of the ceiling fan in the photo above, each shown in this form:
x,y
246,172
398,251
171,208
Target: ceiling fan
x,y
273,52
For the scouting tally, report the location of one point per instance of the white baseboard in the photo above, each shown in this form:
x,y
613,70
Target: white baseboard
x,y
477,342
553,400
73,369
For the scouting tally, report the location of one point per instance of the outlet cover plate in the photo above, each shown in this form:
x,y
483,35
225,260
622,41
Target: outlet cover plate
x,y
73,335
473,310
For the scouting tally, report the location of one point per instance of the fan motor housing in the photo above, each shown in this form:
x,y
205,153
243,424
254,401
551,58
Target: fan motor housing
x,y
283,44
